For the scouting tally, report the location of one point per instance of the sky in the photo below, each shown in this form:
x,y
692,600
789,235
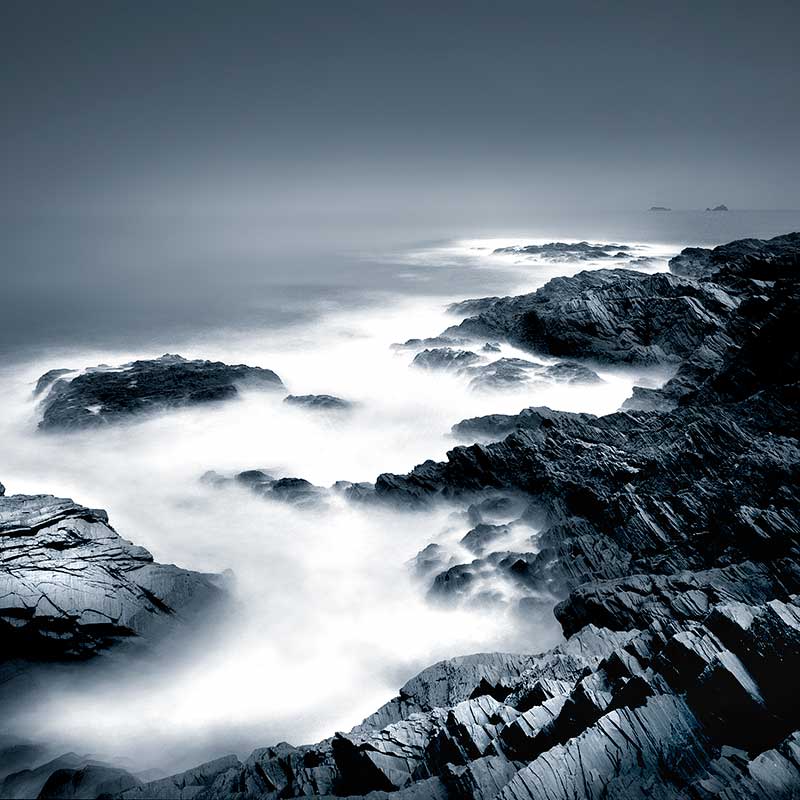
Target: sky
x,y
329,109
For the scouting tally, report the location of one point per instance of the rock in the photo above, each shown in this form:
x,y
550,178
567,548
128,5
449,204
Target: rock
x,y
444,358
87,783
318,402
503,373
570,372
104,395
295,491
71,586
49,377
754,259
491,347
660,208
508,372
568,251
614,316
721,207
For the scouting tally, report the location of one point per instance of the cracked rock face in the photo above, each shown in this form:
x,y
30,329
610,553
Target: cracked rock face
x,y
105,395
71,586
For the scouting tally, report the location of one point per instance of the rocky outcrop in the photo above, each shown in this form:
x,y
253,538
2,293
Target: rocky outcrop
x,y
613,316
70,586
111,394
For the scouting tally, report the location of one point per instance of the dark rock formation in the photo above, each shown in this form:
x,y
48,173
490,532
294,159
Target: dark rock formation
x,y
568,251
749,259
104,394
721,207
71,586
660,208
318,402
614,316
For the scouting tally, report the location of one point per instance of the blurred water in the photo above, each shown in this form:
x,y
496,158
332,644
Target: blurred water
x,y
330,620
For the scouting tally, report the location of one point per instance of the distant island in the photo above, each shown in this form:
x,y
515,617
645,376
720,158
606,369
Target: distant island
x,y
721,207
660,208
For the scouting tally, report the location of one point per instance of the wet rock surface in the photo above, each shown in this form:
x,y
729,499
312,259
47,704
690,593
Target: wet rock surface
x,y
104,394
670,537
71,586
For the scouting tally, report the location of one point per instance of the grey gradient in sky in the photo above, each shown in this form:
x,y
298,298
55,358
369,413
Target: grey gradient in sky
x,y
394,107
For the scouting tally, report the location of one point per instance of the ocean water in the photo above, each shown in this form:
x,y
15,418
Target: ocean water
x,y
329,619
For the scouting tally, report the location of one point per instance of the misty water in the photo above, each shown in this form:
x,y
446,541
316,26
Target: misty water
x,y
328,619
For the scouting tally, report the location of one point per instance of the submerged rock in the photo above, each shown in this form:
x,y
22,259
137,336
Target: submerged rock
x,y
318,402
295,491
444,358
104,394
568,251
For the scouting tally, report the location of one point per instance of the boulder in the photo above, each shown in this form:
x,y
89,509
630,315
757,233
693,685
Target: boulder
x,y
112,394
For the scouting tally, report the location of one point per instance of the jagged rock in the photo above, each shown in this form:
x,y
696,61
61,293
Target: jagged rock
x,y
655,750
617,316
318,402
444,358
49,377
71,586
497,426
105,394
483,535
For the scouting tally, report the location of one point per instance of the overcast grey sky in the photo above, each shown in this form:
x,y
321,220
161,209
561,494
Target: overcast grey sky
x,y
391,107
